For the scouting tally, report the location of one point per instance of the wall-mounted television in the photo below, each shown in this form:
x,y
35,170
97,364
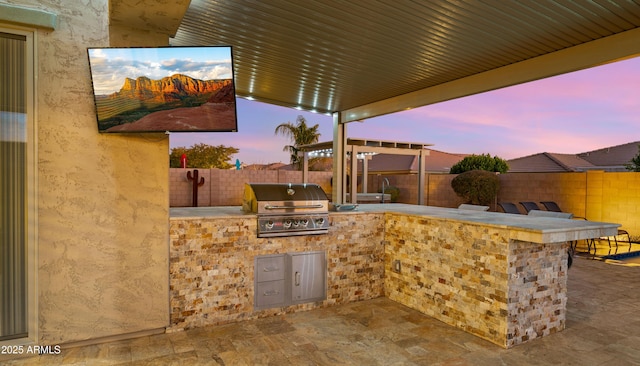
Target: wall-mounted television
x,y
163,89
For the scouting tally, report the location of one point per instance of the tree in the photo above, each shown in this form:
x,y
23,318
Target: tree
x,y
478,187
480,162
203,156
634,163
300,134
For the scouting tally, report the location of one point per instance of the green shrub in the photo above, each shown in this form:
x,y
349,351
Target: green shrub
x,y
394,192
634,164
477,187
480,162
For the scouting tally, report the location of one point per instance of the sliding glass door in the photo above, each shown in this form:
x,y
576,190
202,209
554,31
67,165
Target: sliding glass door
x,y
13,186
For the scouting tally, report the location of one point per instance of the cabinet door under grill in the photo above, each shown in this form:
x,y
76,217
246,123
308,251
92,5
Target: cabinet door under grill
x,y
308,277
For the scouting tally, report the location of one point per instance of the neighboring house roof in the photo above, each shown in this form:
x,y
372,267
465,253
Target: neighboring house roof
x,y
271,166
441,162
435,162
391,164
546,163
285,167
611,158
614,156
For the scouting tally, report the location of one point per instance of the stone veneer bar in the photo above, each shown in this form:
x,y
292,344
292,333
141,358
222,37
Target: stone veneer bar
x,y
501,277
212,258
475,278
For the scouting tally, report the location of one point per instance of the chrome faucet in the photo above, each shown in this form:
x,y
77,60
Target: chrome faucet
x,y
383,181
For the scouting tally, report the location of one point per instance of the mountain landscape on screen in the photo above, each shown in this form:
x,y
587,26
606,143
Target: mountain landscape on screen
x,y
176,103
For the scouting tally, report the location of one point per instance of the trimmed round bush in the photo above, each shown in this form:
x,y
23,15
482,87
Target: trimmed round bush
x,y
480,162
477,187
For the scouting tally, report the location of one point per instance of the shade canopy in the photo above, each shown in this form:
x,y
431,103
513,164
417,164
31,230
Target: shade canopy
x,y
368,58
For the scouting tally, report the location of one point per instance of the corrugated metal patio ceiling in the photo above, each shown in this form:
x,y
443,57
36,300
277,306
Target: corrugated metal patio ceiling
x,y
333,56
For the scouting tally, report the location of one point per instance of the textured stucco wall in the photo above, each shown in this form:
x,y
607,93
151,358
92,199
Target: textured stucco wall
x,y
102,266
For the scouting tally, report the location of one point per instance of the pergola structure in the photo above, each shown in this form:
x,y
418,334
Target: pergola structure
x,y
364,149
361,59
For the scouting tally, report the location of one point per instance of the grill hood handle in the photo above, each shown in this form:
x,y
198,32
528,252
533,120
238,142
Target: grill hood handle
x,y
272,207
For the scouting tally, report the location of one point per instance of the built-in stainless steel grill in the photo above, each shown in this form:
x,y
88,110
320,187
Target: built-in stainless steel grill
x,y
287,209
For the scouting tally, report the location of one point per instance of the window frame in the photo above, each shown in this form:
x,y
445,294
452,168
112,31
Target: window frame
x,y
31,218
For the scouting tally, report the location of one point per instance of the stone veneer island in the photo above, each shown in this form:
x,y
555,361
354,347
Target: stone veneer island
x,y
501,277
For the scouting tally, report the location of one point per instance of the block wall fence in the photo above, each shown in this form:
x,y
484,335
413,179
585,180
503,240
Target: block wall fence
x,y
594,195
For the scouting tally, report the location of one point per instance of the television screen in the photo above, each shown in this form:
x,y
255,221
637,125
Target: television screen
x,y
175,89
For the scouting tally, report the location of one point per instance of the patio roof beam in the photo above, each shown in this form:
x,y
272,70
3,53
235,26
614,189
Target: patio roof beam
x,y
339,145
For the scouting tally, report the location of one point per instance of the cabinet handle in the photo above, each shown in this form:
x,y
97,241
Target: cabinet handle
x,y
297,278
271,293
271,269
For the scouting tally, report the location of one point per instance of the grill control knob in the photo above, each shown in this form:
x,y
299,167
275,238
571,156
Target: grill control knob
x,y
304,222
268,224
320,221
287,224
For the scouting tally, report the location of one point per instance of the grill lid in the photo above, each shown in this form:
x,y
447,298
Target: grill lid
x,y
287,192
263,197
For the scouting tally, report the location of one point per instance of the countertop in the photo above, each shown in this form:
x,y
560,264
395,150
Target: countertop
x,y
527,228
207,212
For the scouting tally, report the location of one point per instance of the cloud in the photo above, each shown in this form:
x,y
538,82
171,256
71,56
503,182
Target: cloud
x,y
575,112
204,70
109,68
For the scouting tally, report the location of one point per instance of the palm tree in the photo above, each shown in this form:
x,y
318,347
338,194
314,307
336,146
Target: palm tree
x,y
300,134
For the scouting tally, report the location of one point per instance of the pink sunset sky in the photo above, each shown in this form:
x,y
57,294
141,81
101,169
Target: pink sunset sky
x,y
572,113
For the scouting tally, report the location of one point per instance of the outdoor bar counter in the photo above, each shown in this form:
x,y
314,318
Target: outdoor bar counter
x,y
499,276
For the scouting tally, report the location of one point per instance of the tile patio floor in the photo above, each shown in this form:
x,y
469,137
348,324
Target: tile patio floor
x,y
603,328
